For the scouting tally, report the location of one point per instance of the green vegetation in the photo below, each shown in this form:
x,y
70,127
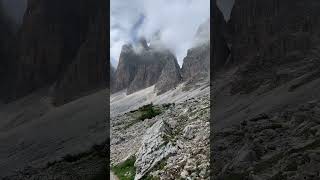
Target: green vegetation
x,y
126,169
148,111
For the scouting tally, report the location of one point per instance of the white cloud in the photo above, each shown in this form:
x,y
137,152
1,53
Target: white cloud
x,y
177,21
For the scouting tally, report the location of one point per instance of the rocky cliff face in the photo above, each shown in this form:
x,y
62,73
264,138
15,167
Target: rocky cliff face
x,y
60,42
273,28
112,78
138,69
6,47
87,71
266,102
270,34
197,61
219,40
170,77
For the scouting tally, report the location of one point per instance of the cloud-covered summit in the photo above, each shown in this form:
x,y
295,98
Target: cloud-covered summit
x,y
173,22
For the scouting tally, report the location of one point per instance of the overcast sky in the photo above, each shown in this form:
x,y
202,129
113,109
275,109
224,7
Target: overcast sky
x,y
176,20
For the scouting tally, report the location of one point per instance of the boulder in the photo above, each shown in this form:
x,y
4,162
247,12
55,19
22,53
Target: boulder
x,y
154,148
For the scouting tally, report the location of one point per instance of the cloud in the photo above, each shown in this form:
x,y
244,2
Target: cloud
x,y
175,22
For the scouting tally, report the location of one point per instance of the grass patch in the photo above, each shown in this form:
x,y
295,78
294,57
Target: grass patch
x,y
126,169
148,111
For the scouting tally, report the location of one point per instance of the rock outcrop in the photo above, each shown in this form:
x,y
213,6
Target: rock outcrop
x,y
154,148
141,66
171,145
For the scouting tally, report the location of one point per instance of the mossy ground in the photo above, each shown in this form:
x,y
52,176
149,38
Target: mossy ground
x,y
125,170
148,111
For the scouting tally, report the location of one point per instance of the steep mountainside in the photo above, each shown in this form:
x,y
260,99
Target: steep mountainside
x,y
266,101
57,57
6,47
220,49
60,47
142,68
112,78
87,71
197,62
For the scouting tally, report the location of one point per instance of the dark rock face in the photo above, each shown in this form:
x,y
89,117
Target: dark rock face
x,y
273,28
6,48
267,104
219,45
138,70
14,10
267,35
87,72
60,42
